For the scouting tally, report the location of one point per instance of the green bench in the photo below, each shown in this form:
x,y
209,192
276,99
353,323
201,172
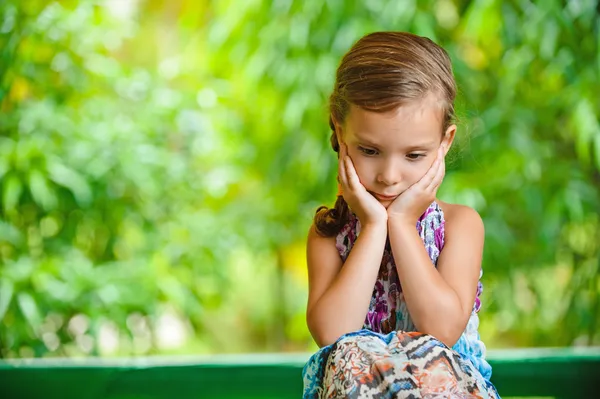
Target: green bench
x,y
557,372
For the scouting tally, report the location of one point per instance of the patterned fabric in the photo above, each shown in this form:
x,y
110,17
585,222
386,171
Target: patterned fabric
x,y
388,358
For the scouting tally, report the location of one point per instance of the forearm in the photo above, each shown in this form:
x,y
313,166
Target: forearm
x,y
343,307
433,305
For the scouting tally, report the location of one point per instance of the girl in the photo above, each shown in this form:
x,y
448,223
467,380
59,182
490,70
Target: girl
x,y
394,272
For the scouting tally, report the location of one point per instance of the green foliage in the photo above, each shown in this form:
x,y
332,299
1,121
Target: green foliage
x,y
160,165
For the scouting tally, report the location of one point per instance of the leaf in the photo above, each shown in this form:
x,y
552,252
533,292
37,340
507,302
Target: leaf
x,y
30,310
597,149
71,180
6,294
4,164
40,191
13,188
10,233
585,125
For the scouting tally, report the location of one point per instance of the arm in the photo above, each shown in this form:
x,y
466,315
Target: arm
x,y
440,300
339,297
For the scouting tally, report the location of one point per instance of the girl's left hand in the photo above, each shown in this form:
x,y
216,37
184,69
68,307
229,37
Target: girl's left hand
x,y
410,205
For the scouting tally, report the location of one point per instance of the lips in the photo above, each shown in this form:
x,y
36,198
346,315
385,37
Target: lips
x,y
384,197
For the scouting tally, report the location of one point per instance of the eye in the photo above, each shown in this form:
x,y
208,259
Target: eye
x,y
414,156
367,151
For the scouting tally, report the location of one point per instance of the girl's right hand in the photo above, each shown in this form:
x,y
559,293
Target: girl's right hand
x,y
366,207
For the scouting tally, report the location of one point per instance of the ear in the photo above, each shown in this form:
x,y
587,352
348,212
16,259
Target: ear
x,y
339,133
448,138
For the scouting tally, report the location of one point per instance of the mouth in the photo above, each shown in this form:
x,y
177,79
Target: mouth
x,y
384,197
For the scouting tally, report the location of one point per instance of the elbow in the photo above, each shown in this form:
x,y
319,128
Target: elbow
x,y
323,334
448,326
449,340
324,340
446,334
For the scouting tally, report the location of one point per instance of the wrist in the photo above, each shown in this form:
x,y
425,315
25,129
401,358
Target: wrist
x,y
376,221
401,220
375,225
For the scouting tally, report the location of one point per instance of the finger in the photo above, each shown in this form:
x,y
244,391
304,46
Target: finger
x,y
342,173
439,177
428,177
351,175
341,156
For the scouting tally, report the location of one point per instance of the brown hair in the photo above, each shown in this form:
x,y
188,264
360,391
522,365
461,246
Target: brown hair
x,y
381,72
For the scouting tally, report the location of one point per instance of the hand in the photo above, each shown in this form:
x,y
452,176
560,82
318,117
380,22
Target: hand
x,y
412,203
368,209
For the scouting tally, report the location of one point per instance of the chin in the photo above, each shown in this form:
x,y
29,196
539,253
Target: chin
x,y
385,203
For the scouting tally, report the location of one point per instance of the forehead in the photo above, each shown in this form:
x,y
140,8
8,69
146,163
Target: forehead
x,y
415,121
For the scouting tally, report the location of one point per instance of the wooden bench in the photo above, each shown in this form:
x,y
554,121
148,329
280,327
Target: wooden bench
x,y
557,372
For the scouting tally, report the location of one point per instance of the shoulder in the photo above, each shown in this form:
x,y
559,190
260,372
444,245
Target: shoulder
x,y
315,236
317,243
341,237
461,218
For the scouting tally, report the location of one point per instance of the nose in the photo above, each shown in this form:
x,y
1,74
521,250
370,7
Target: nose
x,y
389,174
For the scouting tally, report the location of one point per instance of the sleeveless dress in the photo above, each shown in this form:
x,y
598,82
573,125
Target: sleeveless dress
x,y
388,358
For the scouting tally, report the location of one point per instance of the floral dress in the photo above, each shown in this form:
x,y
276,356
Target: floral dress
x,y
388,358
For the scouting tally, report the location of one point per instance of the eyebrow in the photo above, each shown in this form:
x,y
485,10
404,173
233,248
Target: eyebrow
x,y
421,146
363,140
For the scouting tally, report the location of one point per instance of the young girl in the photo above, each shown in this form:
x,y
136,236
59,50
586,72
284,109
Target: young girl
x,y
394,272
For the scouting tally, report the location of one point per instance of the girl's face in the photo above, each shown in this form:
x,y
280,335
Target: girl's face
x,y
392,151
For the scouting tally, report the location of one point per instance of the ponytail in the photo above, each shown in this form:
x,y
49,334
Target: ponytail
x,y
329,221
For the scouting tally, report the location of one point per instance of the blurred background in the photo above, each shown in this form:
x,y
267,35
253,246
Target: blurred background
x,y
161,161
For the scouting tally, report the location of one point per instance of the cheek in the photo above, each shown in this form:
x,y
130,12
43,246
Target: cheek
x,y
416,171
364,168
